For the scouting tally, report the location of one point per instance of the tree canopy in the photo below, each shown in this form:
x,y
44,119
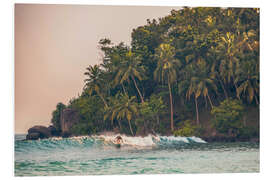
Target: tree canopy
x,y
191,61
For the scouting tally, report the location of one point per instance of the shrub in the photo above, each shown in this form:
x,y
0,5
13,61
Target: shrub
x,y
187,129
150,112
227,116
56,115
83,129
248,132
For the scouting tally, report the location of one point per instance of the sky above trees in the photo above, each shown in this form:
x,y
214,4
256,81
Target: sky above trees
x,y
53,46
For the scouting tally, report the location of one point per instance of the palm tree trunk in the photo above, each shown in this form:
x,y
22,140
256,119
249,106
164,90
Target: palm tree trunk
x,y
130,128
105,103
205,102
210,100
157,119
120,127
236,89
223,87
169,85
124,88
144,126
197,112
137,89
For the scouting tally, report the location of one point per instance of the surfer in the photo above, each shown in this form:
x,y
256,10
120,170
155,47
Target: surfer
x,y
118,141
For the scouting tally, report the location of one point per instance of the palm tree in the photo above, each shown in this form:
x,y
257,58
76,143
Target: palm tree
x,y
166,71
229,50
94,82
249,80
234,47
200,83
130,68
110,111
124,108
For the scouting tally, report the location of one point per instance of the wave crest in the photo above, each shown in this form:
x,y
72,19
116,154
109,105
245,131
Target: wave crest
x,y
105,141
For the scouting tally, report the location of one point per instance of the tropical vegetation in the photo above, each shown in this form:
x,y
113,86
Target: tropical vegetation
x,y
192,62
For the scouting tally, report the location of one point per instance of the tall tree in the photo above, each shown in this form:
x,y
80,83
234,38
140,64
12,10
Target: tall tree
x,y
56,116
130,68
166,71
229,59
110,112
94,82
124,108
249,81
200,83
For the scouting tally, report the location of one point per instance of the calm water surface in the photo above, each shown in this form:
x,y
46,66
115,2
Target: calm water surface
x,y
98,156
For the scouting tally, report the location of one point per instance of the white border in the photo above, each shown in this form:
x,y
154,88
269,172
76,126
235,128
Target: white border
x,y
212,3
7,82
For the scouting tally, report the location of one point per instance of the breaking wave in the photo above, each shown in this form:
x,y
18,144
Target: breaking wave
x,y
149,141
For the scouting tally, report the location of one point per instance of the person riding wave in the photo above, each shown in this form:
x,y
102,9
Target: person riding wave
x,y
118,140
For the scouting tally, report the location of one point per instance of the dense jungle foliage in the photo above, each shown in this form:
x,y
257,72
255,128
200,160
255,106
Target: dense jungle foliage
x,y
192,61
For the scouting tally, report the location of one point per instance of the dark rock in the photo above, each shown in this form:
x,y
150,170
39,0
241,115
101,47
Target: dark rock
x,y
33,136
66,134
42,130
69,118
53,131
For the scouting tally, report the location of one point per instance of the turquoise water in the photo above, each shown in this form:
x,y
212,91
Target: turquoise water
x,y
97,155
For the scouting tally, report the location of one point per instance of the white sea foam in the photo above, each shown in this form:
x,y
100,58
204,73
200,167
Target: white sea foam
x,y
149,140
198,140
173,138
128,140
139,141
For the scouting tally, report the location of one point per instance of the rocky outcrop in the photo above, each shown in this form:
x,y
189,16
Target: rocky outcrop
x,y
41,132
33,136
69,118
38,132
54,131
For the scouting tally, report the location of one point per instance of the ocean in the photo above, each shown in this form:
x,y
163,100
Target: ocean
x,y
97,155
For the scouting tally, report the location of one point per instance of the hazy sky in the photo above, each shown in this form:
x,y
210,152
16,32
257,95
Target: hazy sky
x,y
53,46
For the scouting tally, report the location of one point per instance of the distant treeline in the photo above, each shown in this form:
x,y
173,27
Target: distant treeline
x,y
192,61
